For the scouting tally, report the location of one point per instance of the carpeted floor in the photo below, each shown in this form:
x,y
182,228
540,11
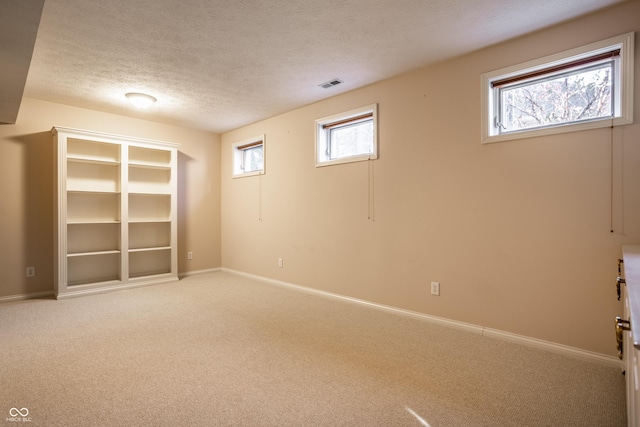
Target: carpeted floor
x,y
221,350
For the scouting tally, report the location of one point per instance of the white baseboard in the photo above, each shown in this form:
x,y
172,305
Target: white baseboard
x,y
32,295
469,327
193,273
553,347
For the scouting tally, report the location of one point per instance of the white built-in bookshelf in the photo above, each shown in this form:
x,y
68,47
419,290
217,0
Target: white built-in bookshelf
x,y
115,211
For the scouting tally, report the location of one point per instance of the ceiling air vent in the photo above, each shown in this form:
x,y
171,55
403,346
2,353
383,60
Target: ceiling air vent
x,y
331,83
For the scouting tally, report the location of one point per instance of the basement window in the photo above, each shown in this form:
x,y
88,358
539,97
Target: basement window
x,y
347,137
585,88
248,157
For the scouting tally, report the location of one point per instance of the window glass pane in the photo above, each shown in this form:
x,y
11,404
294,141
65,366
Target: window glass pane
x,y
253,159
571,97
351,140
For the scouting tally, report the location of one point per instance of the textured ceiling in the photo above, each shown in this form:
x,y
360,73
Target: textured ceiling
x,y
217,65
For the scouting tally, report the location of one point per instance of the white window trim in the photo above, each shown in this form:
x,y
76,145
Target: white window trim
x,y
624,91
321,135
236,159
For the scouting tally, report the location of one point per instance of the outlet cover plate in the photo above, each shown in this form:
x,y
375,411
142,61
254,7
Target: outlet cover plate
x,y
435,288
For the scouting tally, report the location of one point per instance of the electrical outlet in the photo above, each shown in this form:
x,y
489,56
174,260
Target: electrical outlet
x,y
435,288
280,263
31,271
189,255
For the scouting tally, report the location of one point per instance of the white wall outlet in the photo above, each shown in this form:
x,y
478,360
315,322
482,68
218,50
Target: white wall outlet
x,y
280,263
189,255
31,271
435,288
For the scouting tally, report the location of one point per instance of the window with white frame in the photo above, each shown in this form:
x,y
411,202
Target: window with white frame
x,y
584,88
347,137
248,157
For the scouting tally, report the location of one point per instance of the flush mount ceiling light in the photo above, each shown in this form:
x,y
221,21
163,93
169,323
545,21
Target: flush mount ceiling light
x,y
140,100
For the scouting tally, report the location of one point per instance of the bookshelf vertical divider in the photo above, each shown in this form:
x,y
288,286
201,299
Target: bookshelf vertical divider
x,y
124,209
115,213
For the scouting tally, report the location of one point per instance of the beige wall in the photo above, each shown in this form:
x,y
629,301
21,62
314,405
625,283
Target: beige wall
x,y
26,192
517,233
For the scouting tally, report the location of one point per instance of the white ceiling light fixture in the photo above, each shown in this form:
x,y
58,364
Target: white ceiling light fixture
x,y
140,100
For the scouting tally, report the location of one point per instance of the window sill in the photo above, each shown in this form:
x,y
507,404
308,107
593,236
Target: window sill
x,y
245,175
559,129
352,159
